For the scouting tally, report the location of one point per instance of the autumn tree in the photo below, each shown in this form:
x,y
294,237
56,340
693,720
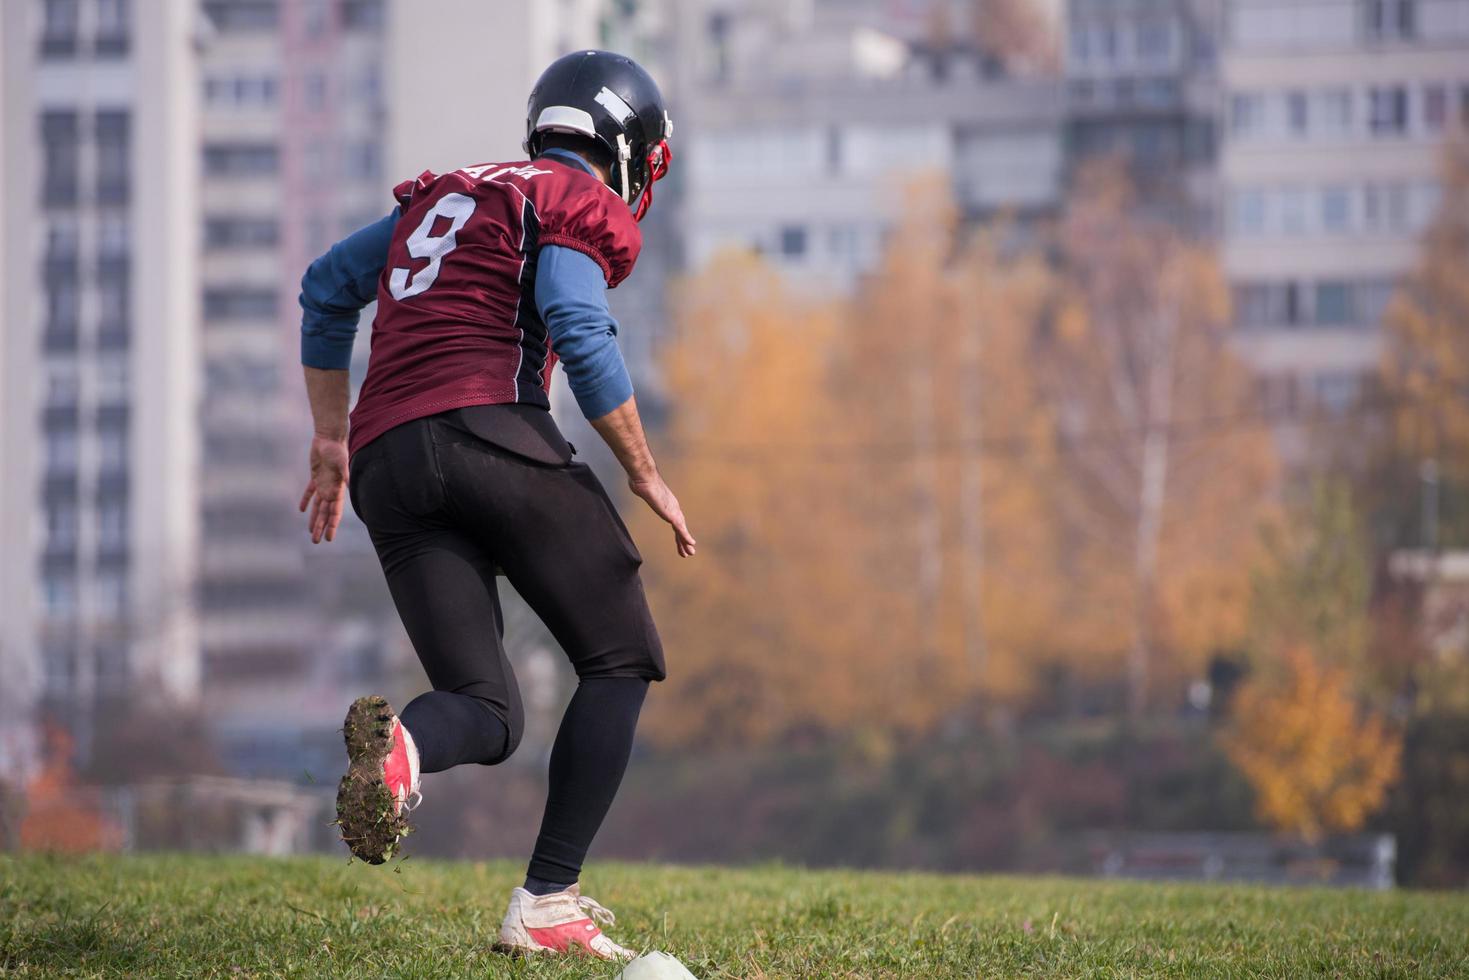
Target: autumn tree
x,y
1313,586
1316,762
1168,475
919,498
863,564
1425,365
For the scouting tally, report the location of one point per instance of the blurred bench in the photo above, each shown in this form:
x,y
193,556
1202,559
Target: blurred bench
x,y
1360,861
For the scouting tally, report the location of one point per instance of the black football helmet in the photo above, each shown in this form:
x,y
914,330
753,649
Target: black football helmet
x,y
611,99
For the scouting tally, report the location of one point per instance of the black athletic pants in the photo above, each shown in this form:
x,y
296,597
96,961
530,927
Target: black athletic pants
x,y
447,509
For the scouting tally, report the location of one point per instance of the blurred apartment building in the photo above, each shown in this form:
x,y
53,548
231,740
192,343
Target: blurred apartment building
x,y
98,504
291,148
1142,85
313,111
1336,111
804,120
171,167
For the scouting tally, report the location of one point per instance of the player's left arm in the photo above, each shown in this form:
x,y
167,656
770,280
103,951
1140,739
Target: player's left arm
x,y
571,296
334,291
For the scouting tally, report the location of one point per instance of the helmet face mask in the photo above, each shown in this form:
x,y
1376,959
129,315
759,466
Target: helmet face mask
x,y
611,100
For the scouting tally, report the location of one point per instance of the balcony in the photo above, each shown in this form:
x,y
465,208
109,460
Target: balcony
x,y
55,47
59,190
113,190
113,336
60,340
116,45
59,417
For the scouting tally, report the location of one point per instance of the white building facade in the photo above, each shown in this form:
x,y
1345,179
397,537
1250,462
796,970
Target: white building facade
x,y
99,518
1335,115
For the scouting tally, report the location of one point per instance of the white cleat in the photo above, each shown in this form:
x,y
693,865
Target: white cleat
x,y
561,922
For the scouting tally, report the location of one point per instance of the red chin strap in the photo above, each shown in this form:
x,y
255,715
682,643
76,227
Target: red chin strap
x,y
659,157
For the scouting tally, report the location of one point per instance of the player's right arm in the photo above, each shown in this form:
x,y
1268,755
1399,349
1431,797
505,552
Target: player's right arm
x,y
334,291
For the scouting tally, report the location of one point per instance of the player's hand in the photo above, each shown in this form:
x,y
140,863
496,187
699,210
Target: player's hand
x,y
661,499
326,491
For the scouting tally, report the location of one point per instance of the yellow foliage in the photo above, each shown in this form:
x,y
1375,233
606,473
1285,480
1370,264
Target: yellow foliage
x,y
1315,762
1169,476
1425,367
892,527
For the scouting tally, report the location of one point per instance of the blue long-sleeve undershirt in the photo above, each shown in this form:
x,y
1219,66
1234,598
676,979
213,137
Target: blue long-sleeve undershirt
x,y
570,295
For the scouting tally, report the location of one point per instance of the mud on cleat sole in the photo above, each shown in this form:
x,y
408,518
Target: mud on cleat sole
x,y
370,827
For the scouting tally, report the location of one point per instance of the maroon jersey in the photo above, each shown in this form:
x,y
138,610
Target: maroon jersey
x,y
457,323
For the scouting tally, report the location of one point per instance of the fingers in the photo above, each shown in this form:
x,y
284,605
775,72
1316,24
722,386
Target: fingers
x,y
333,519
682,537
306,497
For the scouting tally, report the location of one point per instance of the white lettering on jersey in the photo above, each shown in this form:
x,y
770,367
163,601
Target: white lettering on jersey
x,y
489,173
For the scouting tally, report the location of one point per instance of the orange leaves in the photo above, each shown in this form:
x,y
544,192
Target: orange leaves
x,y
1426,358
61,815
1317,764
929,494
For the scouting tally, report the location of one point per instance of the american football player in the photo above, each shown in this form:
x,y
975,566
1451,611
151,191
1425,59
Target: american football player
x,y
484,278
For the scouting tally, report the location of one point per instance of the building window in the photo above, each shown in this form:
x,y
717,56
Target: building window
x,y
63,387
112,381
113,321
59,593
241,91
60,668
241,159
1387,110
1336,210
1384,20
59,19
61,451
1247,114
1337,391
63,305
1154,41
114,171
240,303
113,235
1252,304
1293,211
1295,113
1372,299
1385,207
112,667
1332,116
362,14
1333,303
59,141
229,16
235,232
1248,212
1435,108
793,241
61,526
112,525
110,592
63,241
113,30
112,447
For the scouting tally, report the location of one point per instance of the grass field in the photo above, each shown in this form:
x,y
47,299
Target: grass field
x,y
236,916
